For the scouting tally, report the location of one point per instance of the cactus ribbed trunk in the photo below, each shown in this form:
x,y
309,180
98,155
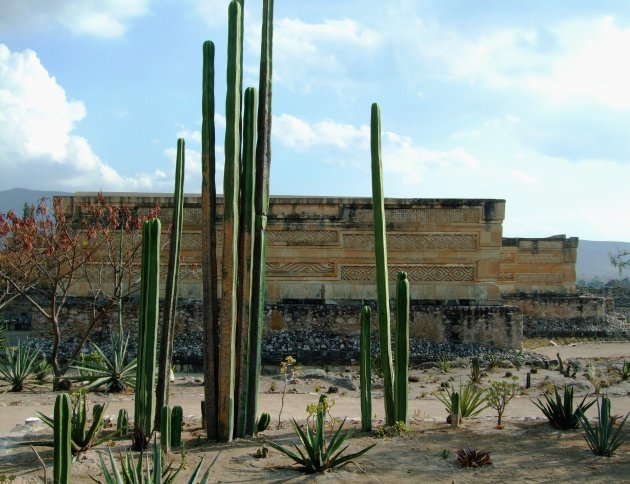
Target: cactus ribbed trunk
x,y
455,409
365,369
62,458
165,428
177,419
261,207
147,326
122,423
209,245
402,347
172,276
229,268
246,234
380,248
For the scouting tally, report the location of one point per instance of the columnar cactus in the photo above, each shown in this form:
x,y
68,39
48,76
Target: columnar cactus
x,y
122,423
261,207
402,347
147,331
172,275
262,423
380,247
365,365
165,428
455,409
177,420
229,267
62,459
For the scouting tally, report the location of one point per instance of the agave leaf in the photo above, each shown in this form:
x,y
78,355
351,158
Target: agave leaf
x,y
337,461
288,453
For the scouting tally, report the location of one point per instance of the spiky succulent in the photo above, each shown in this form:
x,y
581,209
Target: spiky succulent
x,y
473,458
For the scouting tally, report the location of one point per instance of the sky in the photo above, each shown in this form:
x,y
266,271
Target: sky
x,y
523,101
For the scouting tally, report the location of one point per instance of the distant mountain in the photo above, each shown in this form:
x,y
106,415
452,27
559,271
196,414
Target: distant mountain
x,y
14,198
593,259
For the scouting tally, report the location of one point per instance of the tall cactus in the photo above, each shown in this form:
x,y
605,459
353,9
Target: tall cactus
x,y
165,428
261,207
455,409
402,347
62,459
177,420
365,367
229,268
246,235
172,275
122,422
147,331
380,247
209,245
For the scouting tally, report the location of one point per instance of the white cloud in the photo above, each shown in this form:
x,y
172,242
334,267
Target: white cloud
x,y
100,18
569,61
37,145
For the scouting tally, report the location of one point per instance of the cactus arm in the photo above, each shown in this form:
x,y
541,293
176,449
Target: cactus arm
x,y
227,360
365,371
246,235
62,454
172,276
380,248
402,347
209,243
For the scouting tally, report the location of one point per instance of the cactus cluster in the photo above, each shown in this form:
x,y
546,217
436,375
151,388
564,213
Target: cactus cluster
x,y
394,383
171,427
232,347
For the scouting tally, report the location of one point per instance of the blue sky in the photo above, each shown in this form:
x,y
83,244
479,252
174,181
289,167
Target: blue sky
x,y
526,101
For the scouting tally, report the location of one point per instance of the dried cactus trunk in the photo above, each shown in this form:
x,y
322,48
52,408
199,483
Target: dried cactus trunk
x,y
402,347
380,247
229,268
365,373
172,275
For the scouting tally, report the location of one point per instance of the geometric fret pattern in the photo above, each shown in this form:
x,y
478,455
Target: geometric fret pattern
x,y
421,215
413,241
425,273
301,237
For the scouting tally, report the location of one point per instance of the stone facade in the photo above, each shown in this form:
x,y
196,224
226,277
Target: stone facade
x,y
468,283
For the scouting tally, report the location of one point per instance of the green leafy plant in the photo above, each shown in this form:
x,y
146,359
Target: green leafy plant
x,y
475,370
518,360
560,410
131,471
444,363
472,399
87,362
623,371
112,374
319,455
493,361
473,458
17,366
84,436
43,369
499,395
601,438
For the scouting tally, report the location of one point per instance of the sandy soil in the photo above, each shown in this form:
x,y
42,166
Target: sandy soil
x,y
526,449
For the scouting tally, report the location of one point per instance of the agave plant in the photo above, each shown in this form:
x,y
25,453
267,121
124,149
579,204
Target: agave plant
x,y
42,370
559,410
17,366
132,472
600,438
623,371
473,458
84,437
319,455
472,399
3,333
113,374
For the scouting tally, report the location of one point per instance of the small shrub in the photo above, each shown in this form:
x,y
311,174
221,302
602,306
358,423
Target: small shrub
x,y
499,395
493,361
444,363
560,411
600,438
42,370
396,430
289,369
473,458
624,371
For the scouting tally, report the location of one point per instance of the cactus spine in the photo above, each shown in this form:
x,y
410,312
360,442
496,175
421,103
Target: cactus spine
x,y
380,247
177,420
172,275
62,440
402,347
229,268
365,372
165,428
246,232
455,409
147,330
122,423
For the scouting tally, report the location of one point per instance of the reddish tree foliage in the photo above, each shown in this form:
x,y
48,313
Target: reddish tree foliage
x,y
49,255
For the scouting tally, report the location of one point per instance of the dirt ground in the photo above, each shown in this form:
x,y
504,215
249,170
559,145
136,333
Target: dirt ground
x,y
527,449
